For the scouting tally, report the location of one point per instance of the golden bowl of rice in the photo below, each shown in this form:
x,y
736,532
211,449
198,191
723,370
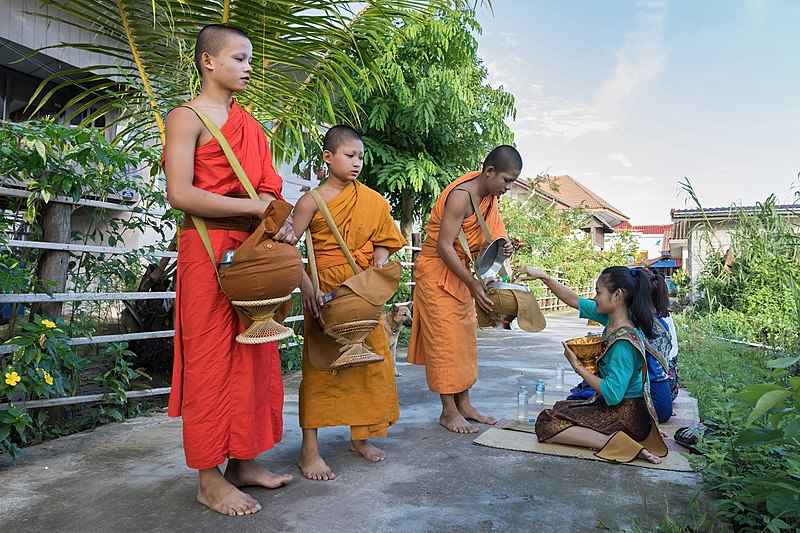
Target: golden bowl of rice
x,y
587,349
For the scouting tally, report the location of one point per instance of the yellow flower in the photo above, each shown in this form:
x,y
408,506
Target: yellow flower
x,y
47,377
12,378
300,337
48,323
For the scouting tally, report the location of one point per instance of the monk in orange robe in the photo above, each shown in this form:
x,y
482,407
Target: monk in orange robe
x,y
444,325
364,397
229,395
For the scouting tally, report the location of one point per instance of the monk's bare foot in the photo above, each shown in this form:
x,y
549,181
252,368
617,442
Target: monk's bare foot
x,y
471,413
246,473
370,452
216,493
663,433
457,423
649,457
313,467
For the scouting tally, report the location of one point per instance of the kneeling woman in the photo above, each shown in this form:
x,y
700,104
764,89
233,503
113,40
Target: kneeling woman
x,y
617,422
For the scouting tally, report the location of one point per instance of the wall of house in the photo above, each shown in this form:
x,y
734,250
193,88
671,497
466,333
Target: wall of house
x,y
704,245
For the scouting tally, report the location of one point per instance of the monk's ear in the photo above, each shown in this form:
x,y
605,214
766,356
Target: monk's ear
x,y
207,61
327,156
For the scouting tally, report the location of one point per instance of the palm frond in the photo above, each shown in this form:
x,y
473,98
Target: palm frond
x,y
310,53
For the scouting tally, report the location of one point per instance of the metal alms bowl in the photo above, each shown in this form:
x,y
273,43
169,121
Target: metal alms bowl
x,y
503,285
490,258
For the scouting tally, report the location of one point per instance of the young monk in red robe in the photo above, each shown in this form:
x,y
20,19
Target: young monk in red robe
x,y
444,325
230,395
365,397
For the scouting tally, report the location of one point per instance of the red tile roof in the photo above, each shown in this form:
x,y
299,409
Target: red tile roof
x,y
570,191
654,229
623,225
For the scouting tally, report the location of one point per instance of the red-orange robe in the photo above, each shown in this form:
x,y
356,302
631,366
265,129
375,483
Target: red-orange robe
x,y
364,397
444,325
230,395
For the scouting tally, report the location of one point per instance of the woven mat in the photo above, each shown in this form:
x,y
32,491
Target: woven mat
x,y
509,434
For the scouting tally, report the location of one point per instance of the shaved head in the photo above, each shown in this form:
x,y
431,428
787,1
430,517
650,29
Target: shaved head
x,y
504,158
212,39
339,135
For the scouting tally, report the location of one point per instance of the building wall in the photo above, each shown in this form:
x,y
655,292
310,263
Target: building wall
x,y
34,32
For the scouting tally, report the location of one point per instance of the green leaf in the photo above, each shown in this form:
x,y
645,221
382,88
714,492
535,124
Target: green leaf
x,y
783,362
758,437
41,150
767,402
784,503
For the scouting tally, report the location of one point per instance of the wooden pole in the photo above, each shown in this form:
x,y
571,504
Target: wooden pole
x,y
53,264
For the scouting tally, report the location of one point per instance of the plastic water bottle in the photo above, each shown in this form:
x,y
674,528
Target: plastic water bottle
x,y
522,403
538,395
559,376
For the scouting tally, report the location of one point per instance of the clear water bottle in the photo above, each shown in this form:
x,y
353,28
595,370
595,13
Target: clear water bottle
x,y
559,376
522,403
538,395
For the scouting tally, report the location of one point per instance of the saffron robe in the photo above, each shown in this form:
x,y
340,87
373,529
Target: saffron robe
x,y
444,325
230,395
364,397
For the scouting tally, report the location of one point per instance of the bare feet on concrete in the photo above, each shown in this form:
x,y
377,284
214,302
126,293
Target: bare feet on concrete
x,y
367,450
218,494
455,422
243,473
470,412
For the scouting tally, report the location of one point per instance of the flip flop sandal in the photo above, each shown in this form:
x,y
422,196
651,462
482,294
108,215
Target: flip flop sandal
x,y
688,436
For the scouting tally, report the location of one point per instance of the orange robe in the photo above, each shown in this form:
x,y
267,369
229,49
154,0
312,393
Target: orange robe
x,y
229,395
364,397
444,329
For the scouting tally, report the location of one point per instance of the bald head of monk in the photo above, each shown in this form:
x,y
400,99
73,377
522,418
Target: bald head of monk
x,y
504,158
338,136
212,39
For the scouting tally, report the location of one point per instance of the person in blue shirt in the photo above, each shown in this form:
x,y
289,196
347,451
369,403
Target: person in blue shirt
x,y
658,351
618,421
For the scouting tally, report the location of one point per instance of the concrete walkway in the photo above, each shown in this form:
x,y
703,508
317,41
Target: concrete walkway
x,y
132,476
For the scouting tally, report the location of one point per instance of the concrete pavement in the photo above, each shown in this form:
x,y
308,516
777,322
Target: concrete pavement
x,y
132,476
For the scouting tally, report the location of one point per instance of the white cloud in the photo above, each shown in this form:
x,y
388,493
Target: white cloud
x,y
621,159
632,179
640,60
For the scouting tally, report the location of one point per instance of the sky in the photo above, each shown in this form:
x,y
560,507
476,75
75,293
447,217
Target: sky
x,y
629,97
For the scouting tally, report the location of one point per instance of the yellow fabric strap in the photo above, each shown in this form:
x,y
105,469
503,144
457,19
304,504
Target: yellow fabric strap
x,y
482,221
323,208
312,262
199,223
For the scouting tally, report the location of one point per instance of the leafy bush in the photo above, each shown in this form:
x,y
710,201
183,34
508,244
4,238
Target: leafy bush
x,y
549,239
750,399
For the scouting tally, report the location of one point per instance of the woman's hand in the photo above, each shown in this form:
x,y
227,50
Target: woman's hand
x,y
311,302
526,273
572,359
508,249
479,294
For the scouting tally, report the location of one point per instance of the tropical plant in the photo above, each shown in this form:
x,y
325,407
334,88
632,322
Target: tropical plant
x,y
306,54
750,397
436,118
550,239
